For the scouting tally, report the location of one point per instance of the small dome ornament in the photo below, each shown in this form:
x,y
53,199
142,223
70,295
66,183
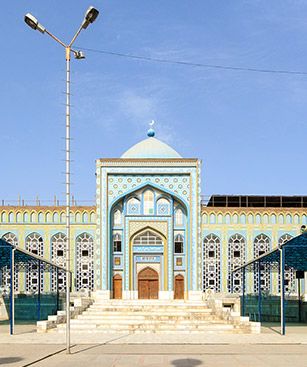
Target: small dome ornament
x,y
151,147
151,132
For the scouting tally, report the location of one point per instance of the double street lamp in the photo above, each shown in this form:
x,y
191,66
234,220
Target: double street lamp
x,y
90,16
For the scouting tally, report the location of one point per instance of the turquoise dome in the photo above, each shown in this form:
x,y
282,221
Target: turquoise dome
x,y
151,148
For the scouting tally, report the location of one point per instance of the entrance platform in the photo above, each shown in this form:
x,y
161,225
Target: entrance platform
x,y
156,316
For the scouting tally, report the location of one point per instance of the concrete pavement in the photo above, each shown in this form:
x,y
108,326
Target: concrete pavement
x,y
97,355
27,348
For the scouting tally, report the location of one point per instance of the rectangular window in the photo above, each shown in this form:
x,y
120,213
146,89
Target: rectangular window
x,y
117,246
236,254
178,247
211,253
84,252
60,253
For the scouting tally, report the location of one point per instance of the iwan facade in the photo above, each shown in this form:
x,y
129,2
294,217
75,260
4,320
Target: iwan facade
x,y
149,235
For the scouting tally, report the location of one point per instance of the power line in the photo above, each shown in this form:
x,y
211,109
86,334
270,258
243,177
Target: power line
x,y
186,63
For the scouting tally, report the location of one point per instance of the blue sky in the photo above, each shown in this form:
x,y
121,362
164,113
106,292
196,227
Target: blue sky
x,y
249,129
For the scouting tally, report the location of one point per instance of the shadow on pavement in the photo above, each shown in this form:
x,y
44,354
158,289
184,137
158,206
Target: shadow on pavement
x,y
186,362
7,360
99,345
86,348
291,328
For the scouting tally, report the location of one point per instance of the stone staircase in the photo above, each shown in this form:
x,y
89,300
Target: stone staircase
x,y
155,316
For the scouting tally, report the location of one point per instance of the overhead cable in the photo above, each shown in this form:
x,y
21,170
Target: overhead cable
x,y
193,64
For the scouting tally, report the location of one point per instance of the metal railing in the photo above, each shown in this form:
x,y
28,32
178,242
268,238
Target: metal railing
x,y
254,201
39,202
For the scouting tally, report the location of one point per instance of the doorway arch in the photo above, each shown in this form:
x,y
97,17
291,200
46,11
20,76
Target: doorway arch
x,y
179,287
117,286
148,284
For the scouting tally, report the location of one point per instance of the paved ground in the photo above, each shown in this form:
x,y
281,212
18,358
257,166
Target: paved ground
x,y
25,334
27,348
96,355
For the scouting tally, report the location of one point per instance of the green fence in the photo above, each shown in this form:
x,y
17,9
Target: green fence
x,y
27,306
270,309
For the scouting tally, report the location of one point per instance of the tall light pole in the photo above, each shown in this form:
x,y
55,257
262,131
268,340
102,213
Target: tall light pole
x,y
90,16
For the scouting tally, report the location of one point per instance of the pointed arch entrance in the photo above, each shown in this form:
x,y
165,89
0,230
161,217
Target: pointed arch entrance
x,y
148,284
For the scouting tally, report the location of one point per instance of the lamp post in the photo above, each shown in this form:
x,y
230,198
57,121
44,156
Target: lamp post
x,y
90,16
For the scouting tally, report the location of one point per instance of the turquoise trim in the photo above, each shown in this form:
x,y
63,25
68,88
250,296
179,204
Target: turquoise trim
x,y
126,267
153,185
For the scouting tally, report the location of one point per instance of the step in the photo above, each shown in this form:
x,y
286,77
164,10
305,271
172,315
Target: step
x,y
154,304
144,312
140,327
144,322
148,326
145,309
149,301
167,332
147,317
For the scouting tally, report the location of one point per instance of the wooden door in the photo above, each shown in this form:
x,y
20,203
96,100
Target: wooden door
x,y
148,284
143,289
117,286
179,287
153,289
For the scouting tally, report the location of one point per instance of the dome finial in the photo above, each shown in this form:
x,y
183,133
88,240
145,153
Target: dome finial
x,y
151,132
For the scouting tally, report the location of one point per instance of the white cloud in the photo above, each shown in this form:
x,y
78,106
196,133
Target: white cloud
x,y
137,106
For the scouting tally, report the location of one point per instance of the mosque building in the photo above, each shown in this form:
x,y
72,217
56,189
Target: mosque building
x,y
150,234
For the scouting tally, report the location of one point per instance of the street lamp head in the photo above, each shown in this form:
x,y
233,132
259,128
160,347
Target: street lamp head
x,y
79,55
90,16
33,23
